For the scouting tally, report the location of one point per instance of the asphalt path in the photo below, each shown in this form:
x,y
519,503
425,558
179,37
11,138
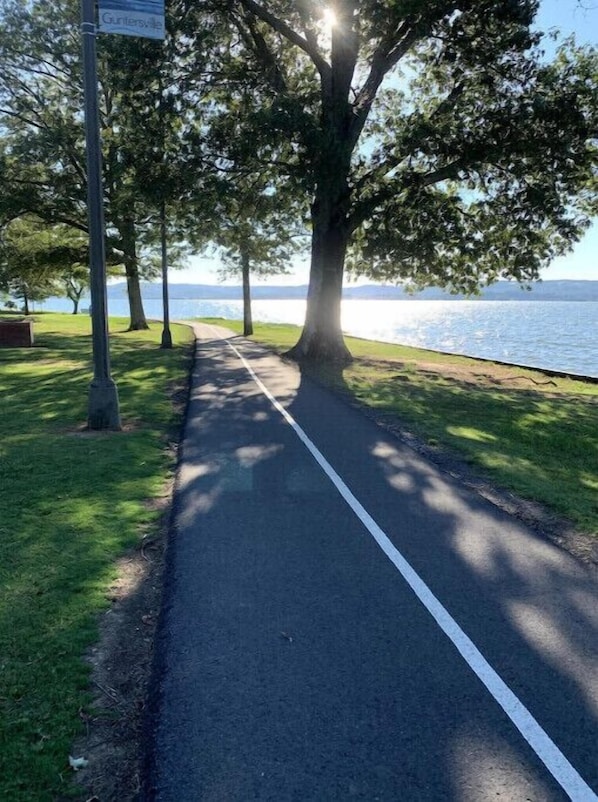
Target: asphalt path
x,y
344,621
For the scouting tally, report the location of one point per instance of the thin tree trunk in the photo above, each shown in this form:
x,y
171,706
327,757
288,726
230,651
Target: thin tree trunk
x,y
74,297
247,318
25,304
136,312
138,321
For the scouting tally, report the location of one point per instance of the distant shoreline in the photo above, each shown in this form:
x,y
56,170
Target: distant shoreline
x,y
569,290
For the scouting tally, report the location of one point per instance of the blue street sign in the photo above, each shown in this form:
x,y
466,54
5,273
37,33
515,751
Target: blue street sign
x,y
132,17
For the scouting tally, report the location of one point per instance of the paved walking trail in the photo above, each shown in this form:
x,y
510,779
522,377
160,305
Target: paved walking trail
x,y
343,621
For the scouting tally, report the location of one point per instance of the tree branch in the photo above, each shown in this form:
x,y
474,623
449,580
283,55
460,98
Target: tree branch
x,y
292,36
380,171
445,173
29,58
253,37
364,209
21,118
385,57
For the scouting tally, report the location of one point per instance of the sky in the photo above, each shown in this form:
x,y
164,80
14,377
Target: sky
x,y
579,17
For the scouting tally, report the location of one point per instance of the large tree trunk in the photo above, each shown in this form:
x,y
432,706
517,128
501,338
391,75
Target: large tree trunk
x,y
247,318
129,243
322,338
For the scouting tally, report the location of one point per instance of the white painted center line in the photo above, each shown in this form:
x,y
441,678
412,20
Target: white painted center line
x,y
554,760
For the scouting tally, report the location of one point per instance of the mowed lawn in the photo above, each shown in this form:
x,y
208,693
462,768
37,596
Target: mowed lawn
x,y
530,433
71,503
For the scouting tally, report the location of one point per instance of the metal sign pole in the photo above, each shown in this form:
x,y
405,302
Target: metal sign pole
x,y
103,408
166,334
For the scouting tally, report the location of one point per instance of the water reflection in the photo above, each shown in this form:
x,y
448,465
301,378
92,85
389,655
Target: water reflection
x,y
558,335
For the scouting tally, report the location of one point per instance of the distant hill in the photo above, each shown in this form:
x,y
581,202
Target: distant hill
x,y
209,292
501,291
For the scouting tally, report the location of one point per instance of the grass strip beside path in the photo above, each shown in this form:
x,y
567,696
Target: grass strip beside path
x,y
533,434
71,503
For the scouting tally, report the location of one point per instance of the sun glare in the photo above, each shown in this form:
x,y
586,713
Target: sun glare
x,y
328,19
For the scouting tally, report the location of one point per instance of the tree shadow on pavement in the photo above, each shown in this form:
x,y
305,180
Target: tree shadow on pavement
x,y
311,666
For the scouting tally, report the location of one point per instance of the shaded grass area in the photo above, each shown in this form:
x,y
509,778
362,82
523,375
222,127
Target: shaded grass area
x,y
71,502
531,433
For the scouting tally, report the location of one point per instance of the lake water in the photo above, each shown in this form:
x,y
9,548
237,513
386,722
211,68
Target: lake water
x,y
557,335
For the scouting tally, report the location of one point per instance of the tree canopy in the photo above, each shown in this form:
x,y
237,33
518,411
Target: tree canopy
x,y
37,260
253,235
42,150
427,141
242,207
435,143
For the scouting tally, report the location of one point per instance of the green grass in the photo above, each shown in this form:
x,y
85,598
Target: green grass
x,y
71,503
531,433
